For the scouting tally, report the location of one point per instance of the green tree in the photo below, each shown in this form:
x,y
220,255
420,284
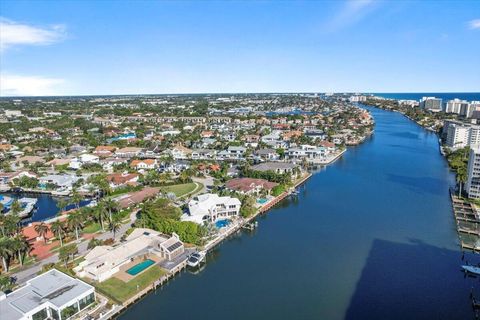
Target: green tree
x,y
75,222
6,251
42,230
114,225
58,230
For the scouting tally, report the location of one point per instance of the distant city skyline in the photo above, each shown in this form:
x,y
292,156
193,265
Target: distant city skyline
x,y
108,48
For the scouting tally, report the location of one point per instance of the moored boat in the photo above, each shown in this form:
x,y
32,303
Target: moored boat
x,y
471,269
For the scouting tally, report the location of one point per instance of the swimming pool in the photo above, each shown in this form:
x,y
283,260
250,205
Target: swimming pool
x,y
222,223
136,269
262,201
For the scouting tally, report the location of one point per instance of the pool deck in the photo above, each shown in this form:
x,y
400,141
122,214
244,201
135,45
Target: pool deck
x,y
125,276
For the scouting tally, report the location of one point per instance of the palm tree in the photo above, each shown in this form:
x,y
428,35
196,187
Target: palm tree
x,y
42,230
3,221
114,225
21,246
111,206
58,229
16,207
75,221
76,198
461,179
5,251
62,204
99,214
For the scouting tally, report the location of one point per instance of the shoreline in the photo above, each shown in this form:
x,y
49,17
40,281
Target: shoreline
x,y
237,226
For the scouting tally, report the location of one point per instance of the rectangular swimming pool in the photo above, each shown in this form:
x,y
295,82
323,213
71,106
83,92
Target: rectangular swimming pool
x,y
136,269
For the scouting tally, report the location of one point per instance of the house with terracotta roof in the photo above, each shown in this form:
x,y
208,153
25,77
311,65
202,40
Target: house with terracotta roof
x,y
250,185
104,151
134,198
121,179
145,164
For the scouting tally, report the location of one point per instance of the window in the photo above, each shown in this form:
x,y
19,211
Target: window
x,y
69,311
86,301
40,315
54,314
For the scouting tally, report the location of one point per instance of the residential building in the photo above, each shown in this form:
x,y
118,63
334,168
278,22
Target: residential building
x,y
51,295
128,152
102,262
277,167
121,179
145,164
250,185
211,208
473,177
431,104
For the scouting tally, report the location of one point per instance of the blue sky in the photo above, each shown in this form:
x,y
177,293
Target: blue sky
x,y
102,47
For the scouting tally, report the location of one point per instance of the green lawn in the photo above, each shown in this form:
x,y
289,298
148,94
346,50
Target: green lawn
x,y
121,291
181,190
92,228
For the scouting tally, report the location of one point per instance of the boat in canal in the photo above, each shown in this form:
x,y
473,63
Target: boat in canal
x,y
471,269
196,259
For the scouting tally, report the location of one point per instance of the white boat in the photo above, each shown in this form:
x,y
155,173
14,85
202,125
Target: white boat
x,y
196,258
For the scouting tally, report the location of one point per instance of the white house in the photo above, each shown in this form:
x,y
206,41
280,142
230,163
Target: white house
x,y
211,208
104,261
52,295
62,181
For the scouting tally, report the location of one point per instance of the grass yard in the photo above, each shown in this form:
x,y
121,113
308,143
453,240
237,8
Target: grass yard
x,y
181,190
122,291
92,228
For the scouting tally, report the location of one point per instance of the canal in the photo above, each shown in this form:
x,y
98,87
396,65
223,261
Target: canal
x,y
369,237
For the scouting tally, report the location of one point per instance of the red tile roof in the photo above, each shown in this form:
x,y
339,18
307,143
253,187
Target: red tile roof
x,y
248,184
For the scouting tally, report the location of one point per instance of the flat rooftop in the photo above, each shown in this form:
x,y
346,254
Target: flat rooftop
x,y
52,286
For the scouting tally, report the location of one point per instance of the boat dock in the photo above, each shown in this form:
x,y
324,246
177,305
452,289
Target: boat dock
x,y
467,220
230,230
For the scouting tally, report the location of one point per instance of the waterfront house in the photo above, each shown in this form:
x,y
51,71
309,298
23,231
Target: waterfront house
x,y
210,208
306,152
277,167
64,182
102,262
8,177
52,295
249,185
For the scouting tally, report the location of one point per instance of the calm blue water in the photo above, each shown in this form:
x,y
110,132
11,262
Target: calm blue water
x,y
369,237
469,96
46,205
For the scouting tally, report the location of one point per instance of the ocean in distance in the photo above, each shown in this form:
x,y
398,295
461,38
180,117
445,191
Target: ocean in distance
x,y
469,96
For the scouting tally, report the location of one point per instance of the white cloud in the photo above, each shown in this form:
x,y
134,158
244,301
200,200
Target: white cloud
x,y
351,12
474,24
17,85
14,33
